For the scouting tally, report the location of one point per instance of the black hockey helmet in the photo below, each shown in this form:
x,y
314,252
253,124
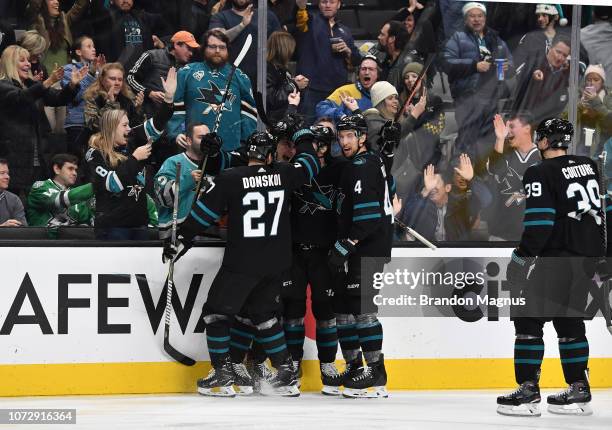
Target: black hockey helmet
x,y
260,144
287,126
354,122
324,136
559,132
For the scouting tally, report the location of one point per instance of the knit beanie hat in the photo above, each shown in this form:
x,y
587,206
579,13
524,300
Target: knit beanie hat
x,y
413,67
552,9
596,68
473,5
380,91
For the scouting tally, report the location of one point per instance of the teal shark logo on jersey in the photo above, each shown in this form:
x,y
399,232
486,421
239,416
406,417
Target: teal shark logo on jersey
x,y
213,96
317,197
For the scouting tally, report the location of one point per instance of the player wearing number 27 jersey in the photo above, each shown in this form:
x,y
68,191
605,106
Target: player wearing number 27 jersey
x,y
256,198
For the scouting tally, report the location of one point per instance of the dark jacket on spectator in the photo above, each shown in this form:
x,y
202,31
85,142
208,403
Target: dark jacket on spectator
x,y
146,74
546,98
94,108
460,55
279,84
24,126
194,17
11,208
462,212
325,70
7,35
109,32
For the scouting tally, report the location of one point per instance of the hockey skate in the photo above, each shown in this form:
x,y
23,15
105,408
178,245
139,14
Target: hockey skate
x,y
218,382
370,383
242,380
281,381
331,379
522,402
572,401
260,372
297,365
353,368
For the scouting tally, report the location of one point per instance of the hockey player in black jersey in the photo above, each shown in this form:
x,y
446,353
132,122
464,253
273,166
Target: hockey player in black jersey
x,y
364,230
562,225
313,226
256,198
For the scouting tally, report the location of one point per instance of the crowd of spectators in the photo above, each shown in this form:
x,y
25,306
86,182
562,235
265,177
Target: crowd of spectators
x,y
464,84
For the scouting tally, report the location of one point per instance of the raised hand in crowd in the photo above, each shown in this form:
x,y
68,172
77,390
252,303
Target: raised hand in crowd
x,y
501,132
143,152
301,81
157,43
248,16
429,180
294,98
77,75
54,77
417,109
169,85
139,99
397,205
414,5
38,77
465,168
98,63
349,101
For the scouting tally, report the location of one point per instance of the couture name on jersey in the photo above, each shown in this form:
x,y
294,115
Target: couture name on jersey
x,y
578,171
272,180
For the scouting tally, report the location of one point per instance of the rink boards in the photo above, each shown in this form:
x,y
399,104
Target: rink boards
x,y
90,321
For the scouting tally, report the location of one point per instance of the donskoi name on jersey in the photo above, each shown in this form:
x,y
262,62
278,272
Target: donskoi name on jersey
x,y
272,180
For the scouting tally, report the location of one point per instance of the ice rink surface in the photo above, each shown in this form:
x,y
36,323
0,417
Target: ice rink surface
x,y
423,410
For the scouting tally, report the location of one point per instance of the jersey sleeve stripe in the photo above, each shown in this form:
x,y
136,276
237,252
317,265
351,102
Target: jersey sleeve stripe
x,y
200,220
539,222
113,184
214,216
365,217
150,130
608,208
366,205
540,210
311,158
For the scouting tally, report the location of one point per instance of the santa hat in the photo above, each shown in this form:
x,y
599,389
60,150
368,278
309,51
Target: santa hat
x,y
552,9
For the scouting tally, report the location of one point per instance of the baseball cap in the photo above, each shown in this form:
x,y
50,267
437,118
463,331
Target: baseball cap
x,y
186,38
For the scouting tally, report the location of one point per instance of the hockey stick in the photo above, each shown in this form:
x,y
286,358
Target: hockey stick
x,y
170,350
605,284
428,63
245,48
416,235
261,109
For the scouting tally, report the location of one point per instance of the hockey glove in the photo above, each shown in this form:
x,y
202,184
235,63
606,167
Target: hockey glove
x,y
173,252
340,252
518,268
210,145
390,134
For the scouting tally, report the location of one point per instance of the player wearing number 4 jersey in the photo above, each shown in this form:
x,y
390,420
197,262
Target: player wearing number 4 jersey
x,y
562,229
256,198
365,231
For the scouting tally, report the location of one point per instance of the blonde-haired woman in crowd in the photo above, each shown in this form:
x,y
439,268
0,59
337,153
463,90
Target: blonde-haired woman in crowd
x,y
111,91
116,160
22,120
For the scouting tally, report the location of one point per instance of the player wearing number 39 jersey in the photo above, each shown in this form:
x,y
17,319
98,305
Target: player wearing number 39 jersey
x,y
563,222
256,198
